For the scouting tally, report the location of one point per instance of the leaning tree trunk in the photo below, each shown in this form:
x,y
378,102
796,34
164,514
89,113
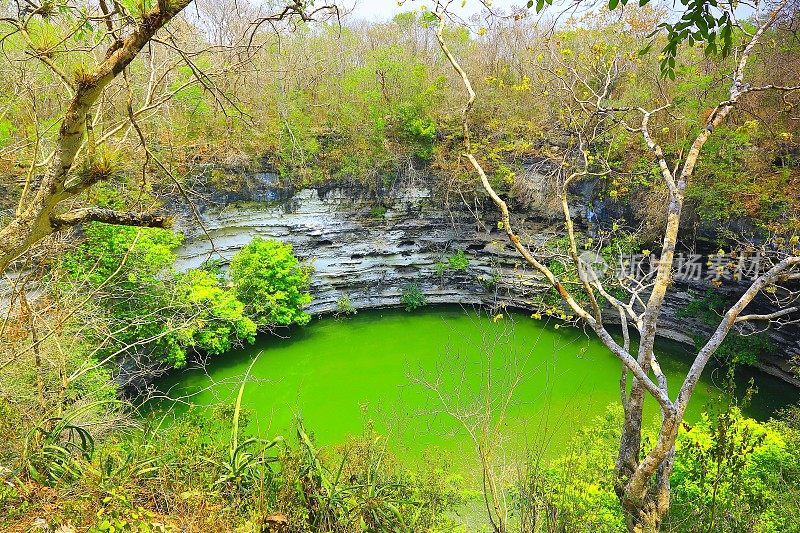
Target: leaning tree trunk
x,y
37,218
641,480
645,496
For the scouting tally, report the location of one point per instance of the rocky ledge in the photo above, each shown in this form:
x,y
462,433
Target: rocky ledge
x,y
370,245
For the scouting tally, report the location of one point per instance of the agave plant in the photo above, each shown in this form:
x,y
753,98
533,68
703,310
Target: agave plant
x,y
319,490
139,463
247,458
241,467
363,502
59,449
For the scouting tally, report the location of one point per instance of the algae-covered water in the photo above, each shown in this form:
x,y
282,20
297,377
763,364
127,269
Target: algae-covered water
x,y
380,366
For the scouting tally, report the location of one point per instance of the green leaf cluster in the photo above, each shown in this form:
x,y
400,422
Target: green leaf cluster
x,y
162,315
344,306
733,473
271,283
412,297
736,348
224,321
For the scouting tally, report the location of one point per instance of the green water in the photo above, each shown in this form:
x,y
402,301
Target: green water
x,y
340,374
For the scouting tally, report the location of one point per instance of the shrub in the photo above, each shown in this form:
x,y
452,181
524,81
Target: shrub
x,y
418,128
205,468
736,348
160,314
271,283
733,473
220,319
148,252
344,307
412,297
377,213
575,492
130,270
458,261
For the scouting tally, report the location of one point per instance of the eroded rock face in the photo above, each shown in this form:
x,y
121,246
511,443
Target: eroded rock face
x,y
358,247
370,246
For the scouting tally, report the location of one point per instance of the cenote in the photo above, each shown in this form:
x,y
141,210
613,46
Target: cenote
x,y
339,375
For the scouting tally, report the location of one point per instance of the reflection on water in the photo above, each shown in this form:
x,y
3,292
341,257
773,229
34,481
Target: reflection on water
x,y
412,374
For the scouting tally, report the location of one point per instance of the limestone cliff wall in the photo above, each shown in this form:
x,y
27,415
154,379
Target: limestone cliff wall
x,y
370,255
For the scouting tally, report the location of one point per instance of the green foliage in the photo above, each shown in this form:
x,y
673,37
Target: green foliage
x,y
735,474
270,281
344,307
742,348
190,96
192,471
362,487
56,450
490,281
619,244
576,492
221,319
375,107
95,384
386,113
698,23
458,261
732,180
247,461
147,253
707,308
731,474
298,144
502,179
412,297
118,514
610,246
418,128
377,213
6,131
158,313
736,348
138,7
721,182
11,502
132,271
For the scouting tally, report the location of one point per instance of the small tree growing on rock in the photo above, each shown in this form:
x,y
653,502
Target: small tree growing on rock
x,y
271,282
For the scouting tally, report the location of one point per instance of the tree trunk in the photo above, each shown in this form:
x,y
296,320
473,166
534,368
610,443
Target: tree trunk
x,y
645,493
646,509
35,220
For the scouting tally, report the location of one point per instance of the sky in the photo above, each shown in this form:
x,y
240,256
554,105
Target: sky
x,y
381,10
